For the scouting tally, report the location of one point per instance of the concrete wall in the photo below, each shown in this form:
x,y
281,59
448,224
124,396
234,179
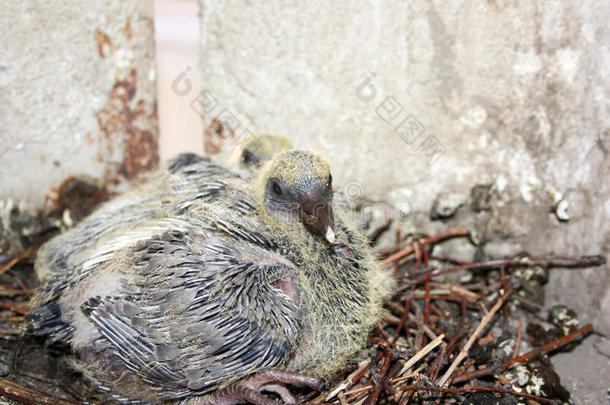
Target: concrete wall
x,y
411,99
77,90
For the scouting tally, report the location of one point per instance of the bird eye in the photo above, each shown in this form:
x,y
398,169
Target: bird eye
x,y
276,188
246,156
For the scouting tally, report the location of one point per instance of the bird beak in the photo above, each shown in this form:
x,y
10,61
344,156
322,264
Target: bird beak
x,y
317,214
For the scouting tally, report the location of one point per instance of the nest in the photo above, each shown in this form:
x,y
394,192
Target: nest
x,y
481,337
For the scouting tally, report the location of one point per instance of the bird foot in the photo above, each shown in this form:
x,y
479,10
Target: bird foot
x,y
249,389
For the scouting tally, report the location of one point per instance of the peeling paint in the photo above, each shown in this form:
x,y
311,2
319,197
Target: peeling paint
x,y
104,44
214,135
129,117
73,129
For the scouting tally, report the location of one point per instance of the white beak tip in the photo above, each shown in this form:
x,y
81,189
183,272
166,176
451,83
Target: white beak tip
x,y
330,235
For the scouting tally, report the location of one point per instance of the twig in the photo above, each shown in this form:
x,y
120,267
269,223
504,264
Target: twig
x,y
9,389
518,340
420,354
528,302
504,283
397,263
403,319
449,233
410,393
23,255
462,354
10,334
424,327
439,364
11,292
13,308
529,261
460,290
406,376
23,287
562,341
350,380
474,389
372,399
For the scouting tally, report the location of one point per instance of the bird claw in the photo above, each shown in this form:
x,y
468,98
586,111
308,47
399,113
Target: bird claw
x,y
249,389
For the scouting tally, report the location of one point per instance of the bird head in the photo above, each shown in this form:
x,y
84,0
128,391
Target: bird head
x,y
296,186
253,151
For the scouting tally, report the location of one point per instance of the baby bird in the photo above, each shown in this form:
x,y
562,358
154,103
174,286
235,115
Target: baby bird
x,y
225,292
252,152
150,198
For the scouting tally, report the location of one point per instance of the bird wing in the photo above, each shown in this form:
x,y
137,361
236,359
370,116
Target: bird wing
x,y
188,180
72,256
200,311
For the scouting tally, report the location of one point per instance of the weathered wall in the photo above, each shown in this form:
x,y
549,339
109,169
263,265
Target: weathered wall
x,y
77,90
414,98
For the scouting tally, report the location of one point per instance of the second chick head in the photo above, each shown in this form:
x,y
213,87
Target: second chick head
x,y
253,151
296,186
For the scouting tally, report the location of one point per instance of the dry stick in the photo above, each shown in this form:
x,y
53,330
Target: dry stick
x,y
368,368
9,334
427,288
451,260
465,366
459,290
360,390
456,391
518,341
421,325
397,262
439,365
412,318
528,302
415,373
449,233
23,287
403,319
462,354
562,341
410,393
388,387
24,255
545,261
372,398
350,380
395,369
11,292
9,389
13,308
420,354
504,283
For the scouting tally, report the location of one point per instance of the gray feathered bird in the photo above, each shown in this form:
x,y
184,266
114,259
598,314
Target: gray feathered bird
x,y
239,285
168,191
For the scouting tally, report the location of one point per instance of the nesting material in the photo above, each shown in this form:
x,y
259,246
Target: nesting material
x,y
483,340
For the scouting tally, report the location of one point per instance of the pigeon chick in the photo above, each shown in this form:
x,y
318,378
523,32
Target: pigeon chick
x,y
175,185
219,298
255,150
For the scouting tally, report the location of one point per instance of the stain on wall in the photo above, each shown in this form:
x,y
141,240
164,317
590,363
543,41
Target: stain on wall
x,y
78,90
